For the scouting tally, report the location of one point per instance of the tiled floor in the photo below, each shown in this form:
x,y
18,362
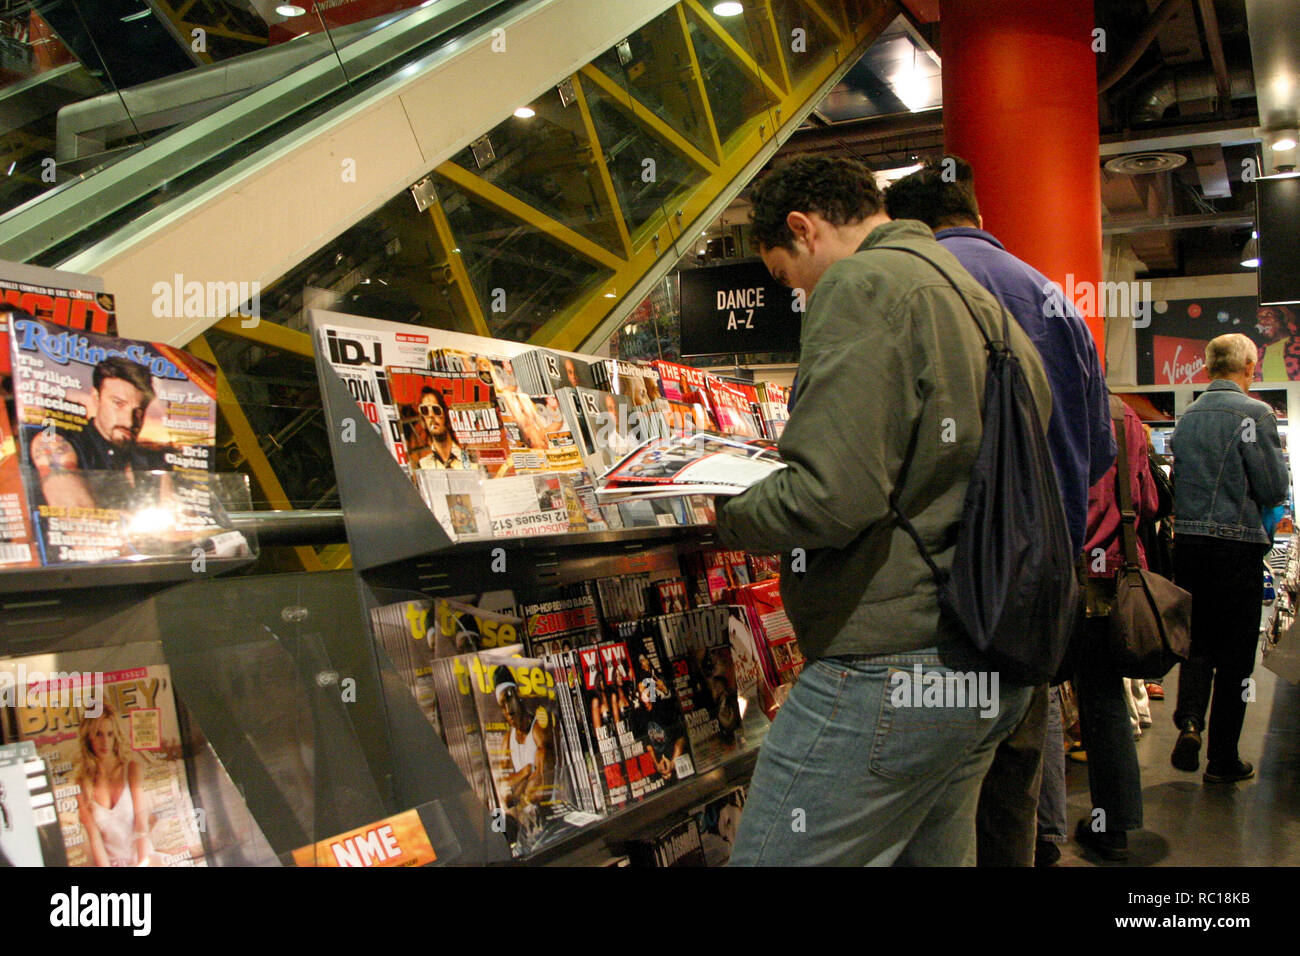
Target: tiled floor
x,y
1253,823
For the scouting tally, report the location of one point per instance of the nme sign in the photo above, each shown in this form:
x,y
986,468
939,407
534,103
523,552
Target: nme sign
x,y
736,307
395,841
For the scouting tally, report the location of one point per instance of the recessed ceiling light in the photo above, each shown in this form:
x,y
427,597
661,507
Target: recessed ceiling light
x,y
610,295
728,8
1286,139
290,10
525,112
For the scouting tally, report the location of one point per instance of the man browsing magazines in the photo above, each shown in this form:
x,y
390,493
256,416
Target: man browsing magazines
x,y
891,376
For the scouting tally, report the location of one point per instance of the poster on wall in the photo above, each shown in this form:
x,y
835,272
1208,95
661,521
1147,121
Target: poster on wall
x,y
1171,350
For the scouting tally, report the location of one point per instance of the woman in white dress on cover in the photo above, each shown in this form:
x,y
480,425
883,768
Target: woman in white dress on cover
x,y
113,807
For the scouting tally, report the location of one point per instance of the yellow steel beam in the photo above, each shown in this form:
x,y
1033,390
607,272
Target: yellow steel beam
x,y
696,72
602,170
459,273
836,28
270,334
495,196
647,118
881,16
336,557
185,29
737,52
768,18
246,438
569,328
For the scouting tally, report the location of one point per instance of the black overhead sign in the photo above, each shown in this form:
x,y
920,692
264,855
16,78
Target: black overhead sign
x,y
737,307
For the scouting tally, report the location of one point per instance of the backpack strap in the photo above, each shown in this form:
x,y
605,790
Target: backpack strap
x,y
1004,346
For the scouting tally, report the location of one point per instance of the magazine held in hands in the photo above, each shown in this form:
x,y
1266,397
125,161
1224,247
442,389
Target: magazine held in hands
x,y
697,464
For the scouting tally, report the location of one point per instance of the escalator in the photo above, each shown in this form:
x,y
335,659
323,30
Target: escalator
x,y
523,169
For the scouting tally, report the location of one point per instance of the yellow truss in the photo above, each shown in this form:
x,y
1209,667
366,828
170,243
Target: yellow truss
x,y
638,252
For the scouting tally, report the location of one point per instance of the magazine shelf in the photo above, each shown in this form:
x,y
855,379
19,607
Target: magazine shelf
x,y
292,729
401,552
152,574
168,529
595,844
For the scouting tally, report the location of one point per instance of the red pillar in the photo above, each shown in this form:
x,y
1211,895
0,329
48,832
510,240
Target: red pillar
x,y
1020,104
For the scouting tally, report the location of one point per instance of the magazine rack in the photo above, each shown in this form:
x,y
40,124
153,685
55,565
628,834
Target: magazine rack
x,y
400,551
294,730
153,561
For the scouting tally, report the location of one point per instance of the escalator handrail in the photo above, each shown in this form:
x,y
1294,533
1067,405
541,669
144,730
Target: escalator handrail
x,y
49,220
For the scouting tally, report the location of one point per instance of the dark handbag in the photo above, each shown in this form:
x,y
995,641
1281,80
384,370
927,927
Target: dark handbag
x,y
1151,619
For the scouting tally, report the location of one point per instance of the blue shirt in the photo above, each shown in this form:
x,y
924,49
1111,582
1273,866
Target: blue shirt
x,y
1079,435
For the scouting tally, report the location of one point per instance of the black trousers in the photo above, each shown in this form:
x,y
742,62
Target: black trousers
x,y
1225,579
1006,818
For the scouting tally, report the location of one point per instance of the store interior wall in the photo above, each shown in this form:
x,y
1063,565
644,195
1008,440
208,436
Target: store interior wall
x,y
1121,337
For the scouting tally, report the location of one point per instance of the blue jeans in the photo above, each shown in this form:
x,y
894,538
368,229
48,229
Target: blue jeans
x,y
863,767
1051,797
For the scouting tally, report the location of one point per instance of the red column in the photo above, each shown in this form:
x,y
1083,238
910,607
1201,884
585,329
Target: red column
x,y
1020,104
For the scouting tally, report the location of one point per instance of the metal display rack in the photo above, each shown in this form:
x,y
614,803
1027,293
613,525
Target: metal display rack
x,y
399,548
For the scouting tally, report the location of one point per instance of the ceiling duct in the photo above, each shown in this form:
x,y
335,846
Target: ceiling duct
x,y
1155,97
1140,164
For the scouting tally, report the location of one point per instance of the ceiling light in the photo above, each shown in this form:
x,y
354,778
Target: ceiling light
x,y
893,174
525,112
728,8
1284,139
138,15
290,10
610,295
1250,253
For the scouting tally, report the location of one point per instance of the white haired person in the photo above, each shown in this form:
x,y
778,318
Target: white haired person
x,y
1228,472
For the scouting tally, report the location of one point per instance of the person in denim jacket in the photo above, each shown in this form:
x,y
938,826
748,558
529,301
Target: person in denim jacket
x,y
1228,471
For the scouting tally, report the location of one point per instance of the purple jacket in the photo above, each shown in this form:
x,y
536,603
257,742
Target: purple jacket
x,y
1079,434
1103,502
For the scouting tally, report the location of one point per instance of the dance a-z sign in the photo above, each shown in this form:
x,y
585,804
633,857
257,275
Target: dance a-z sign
x,y
736,308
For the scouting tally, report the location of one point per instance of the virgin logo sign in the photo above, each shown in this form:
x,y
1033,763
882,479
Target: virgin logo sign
x,y
1179,361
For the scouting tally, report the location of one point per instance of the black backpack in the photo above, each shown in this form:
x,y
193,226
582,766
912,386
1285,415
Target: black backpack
x,y
1013,587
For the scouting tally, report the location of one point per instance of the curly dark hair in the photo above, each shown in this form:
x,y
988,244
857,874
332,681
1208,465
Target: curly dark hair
x,y
841,191
941,195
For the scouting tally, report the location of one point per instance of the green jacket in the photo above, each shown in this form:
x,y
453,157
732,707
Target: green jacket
x,y
889,392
